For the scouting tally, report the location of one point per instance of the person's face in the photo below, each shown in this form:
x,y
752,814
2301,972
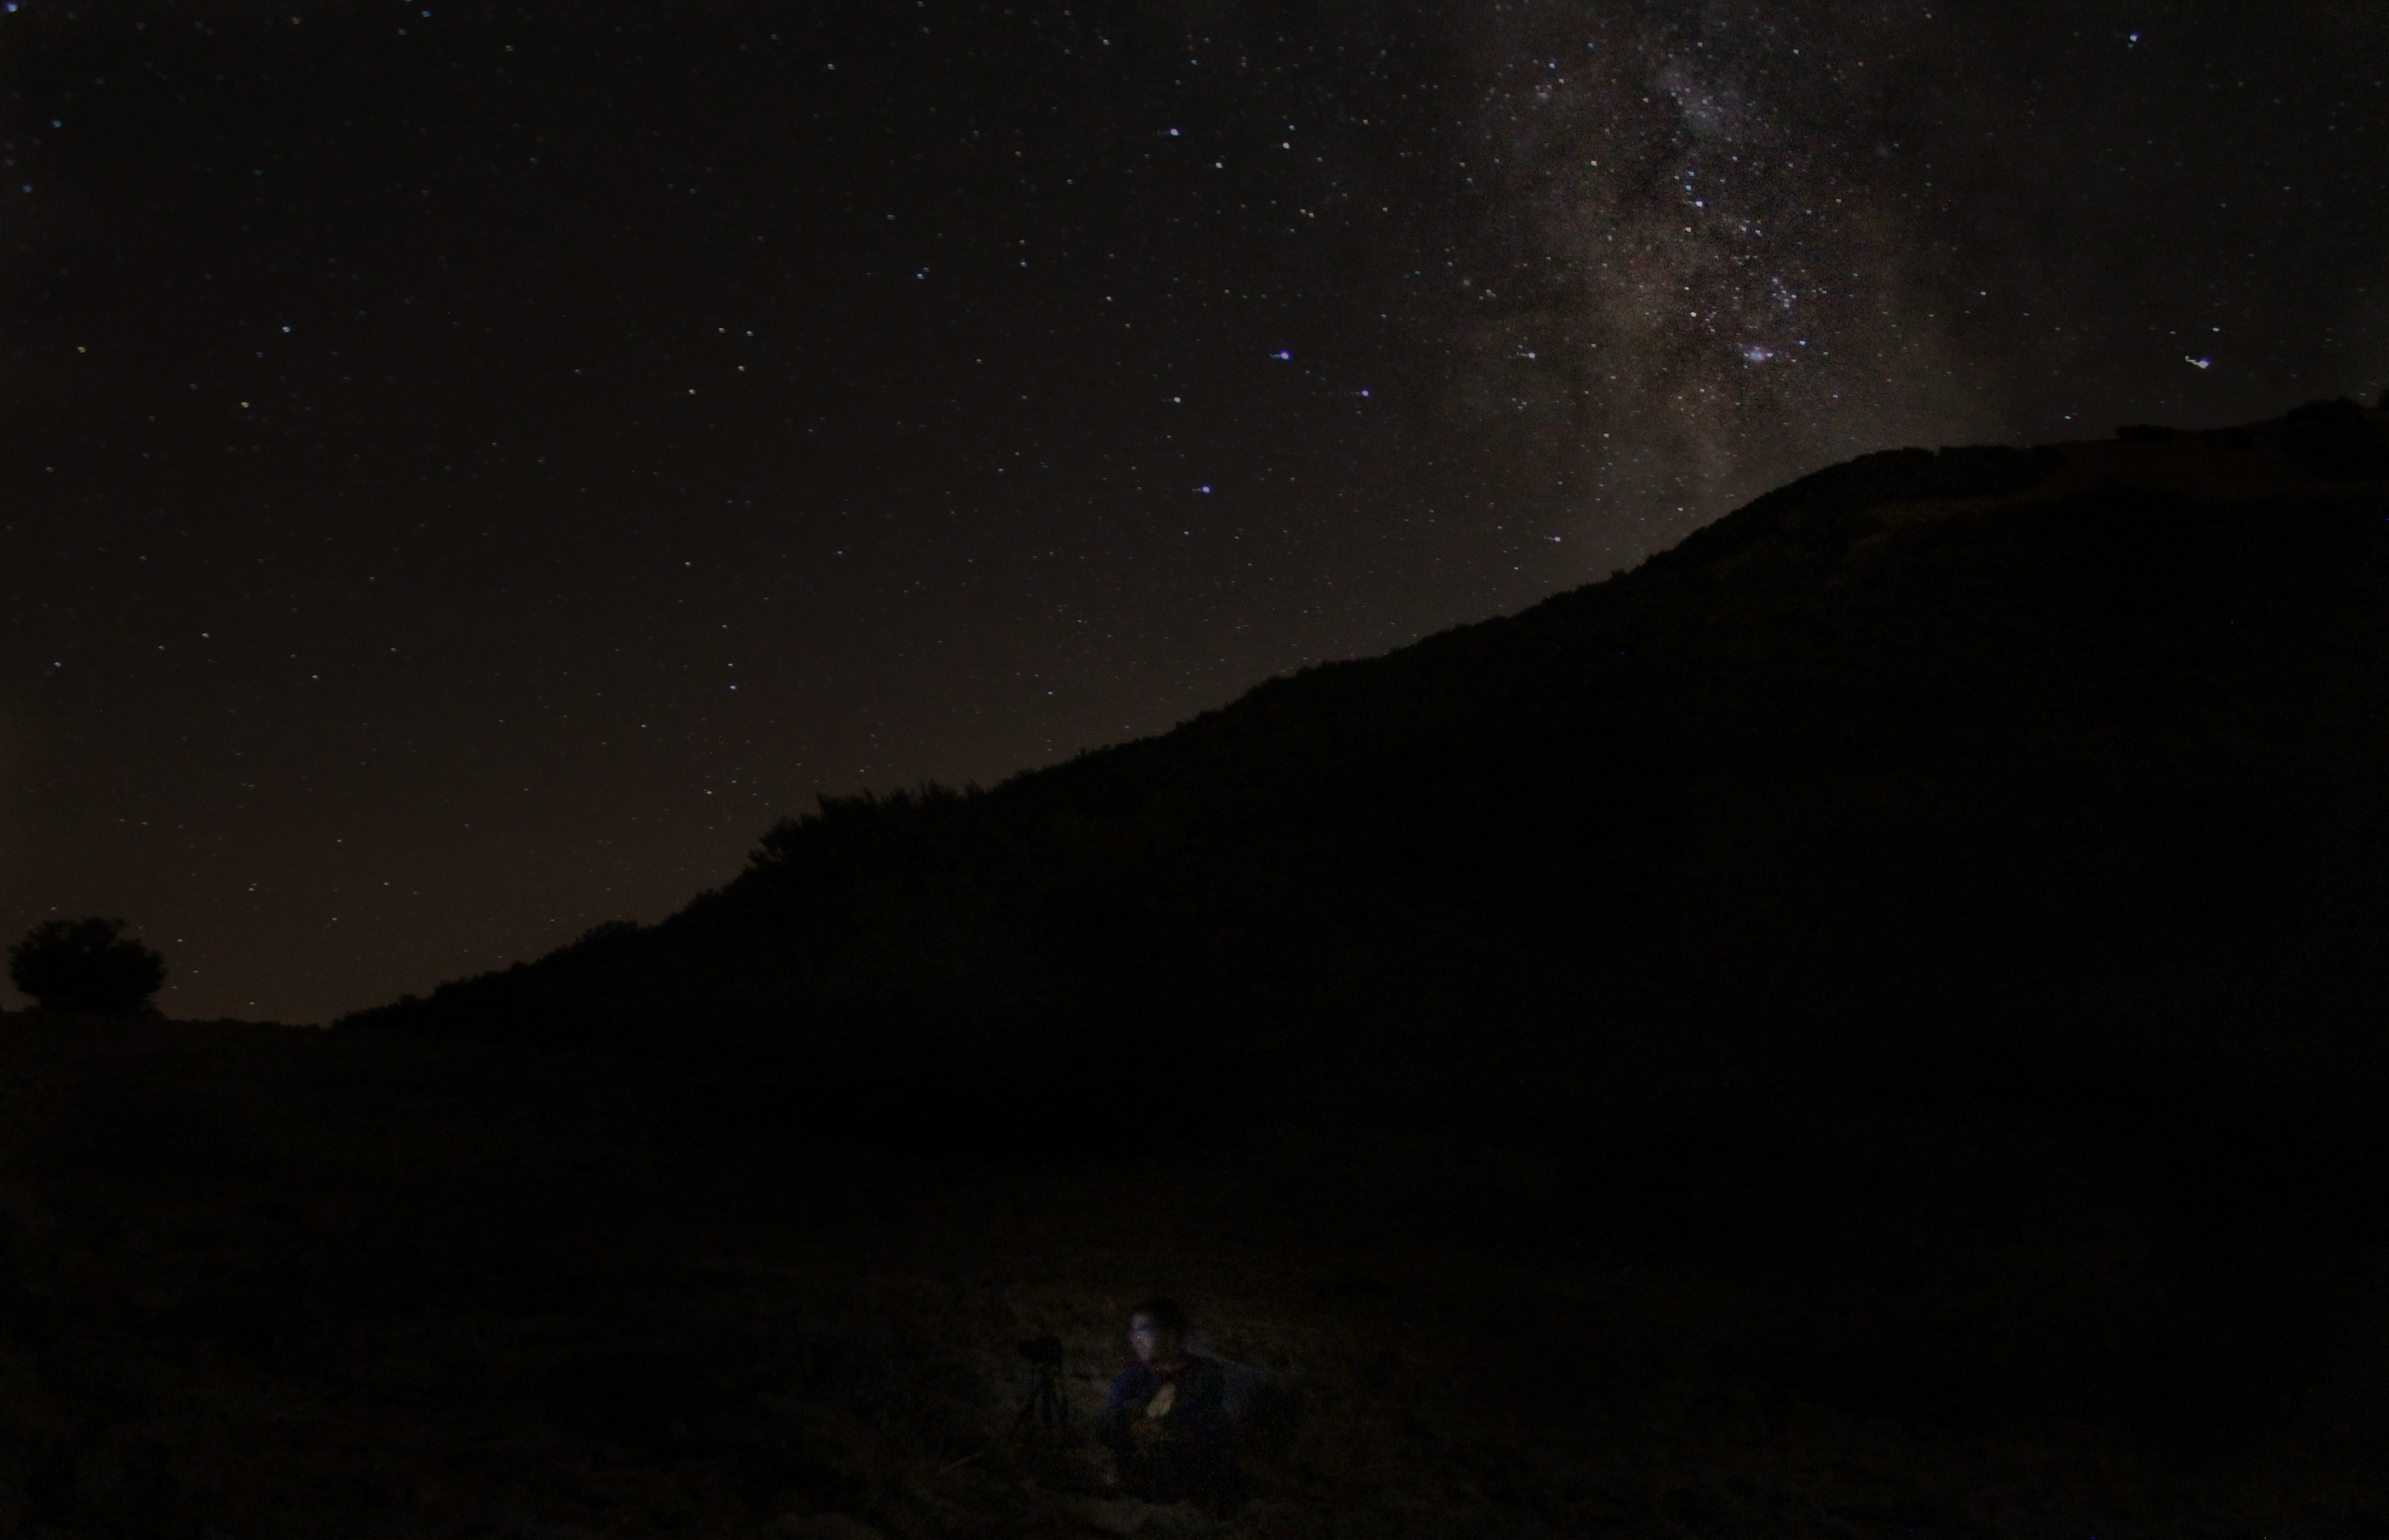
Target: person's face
x,y
1155,1342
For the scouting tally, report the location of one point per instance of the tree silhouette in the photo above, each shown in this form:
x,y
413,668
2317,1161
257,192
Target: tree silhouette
x,y
88,967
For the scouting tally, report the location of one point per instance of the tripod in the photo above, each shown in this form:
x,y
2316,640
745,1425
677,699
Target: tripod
x,y
1044,1419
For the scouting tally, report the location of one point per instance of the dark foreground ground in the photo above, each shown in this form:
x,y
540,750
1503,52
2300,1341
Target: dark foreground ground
x,y
260,1282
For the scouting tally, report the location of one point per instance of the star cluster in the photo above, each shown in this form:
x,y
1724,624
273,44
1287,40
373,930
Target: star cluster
x,y
1742,240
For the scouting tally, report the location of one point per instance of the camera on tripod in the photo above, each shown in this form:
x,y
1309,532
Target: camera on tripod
x,y
1044,1420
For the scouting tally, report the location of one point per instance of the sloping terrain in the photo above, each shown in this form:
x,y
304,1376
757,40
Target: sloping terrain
x,y
1866,1025
1984,768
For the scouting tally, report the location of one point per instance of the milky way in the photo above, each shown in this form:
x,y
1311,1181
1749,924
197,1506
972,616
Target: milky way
x,y
1726,243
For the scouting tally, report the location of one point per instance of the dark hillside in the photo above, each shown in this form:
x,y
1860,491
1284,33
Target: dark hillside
x,y
1992,772
1864,1026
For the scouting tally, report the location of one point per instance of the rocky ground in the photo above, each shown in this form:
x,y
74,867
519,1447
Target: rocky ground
x,y
266,1281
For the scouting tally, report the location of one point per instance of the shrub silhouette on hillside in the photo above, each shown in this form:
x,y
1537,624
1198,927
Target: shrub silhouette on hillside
x,y
86,967
2338,439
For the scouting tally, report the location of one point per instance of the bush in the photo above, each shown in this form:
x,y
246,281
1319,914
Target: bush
x,y
2338,439
86,967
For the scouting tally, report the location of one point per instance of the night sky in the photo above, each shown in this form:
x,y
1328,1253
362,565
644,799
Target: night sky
x,y
470,467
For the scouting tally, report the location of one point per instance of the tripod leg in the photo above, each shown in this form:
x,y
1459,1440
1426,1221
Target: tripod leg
x,y
1053,1410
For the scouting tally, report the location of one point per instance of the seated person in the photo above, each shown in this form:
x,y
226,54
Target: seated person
x,y
1166,1418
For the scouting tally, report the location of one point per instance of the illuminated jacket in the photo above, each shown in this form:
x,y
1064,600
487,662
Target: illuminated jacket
x,y
1192,1455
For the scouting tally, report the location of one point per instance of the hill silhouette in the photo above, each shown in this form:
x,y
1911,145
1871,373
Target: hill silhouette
x,y
1863,1027
2050,772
